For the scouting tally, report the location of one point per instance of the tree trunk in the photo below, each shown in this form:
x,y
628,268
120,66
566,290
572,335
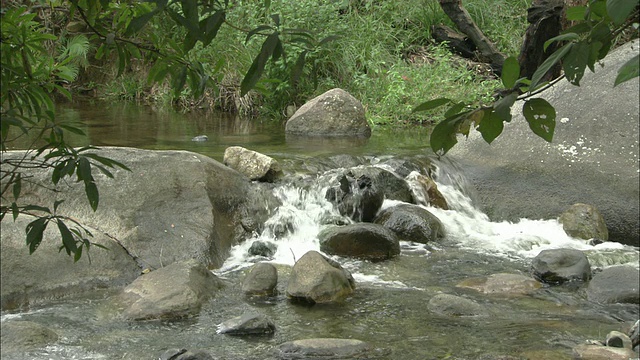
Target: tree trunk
x,y
459,15
546,19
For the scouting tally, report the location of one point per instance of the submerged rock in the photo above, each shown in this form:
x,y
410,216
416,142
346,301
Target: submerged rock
x,y
452,305
429,190
411,223
317,279
22,336
175,291
616,284
261,280
556,266
184,354
584,221
334,113
324,348
263,248
363,241
247,324
618,339
502,284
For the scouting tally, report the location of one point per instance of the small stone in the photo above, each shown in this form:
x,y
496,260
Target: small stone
x,y
263,248
200,138
261,280
247,324
619,340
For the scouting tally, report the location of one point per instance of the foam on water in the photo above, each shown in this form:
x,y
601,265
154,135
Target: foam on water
x,y
295,225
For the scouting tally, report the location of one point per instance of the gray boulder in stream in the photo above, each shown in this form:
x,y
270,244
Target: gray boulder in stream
x,y
317,279
411,223
172,206
173,292
593,158
362,240
616,284
557,266
334,113
584,221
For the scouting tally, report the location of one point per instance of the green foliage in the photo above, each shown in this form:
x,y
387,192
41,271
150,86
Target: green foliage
x,y
585,43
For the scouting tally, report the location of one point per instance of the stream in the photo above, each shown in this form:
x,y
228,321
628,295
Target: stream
x,y
388,308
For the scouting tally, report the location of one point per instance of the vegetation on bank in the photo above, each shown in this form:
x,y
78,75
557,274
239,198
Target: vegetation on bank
x,y
381,52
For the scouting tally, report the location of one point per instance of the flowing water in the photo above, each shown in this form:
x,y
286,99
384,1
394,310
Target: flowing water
x,y
388,308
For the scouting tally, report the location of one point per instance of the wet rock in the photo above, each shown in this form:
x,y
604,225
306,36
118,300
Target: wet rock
x,y
263,248
324,348
175,291
597,352
356,197
200,138
584,221
429,191
618,339
452,305
556,266
363,241
254,165
261,280
247,324
334,113
404,167
184,354
22,336
411,223
634,334
616,284
317,279
502,284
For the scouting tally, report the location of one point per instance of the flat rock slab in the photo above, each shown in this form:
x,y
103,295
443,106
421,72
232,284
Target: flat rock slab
x,y
502,284
324,348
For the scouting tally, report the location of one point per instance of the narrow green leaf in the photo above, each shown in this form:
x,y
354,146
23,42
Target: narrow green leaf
x,y
139,22
178,80
56,204
68,241
328,39
510,72
298,67
78,254
36,208
83,170
491,126
17,186
431,104
256,31
276,19
628,71
72,129
91,190
548,64
575,62
541,117
35,231
257,67
122,60
211,26
563,37
15,211
619,10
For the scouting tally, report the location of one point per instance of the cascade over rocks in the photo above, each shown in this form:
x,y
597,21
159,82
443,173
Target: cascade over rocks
x,y
593,158
411,223
362,240
172,206
317,279
175,291
616,284
357,198
252,164
584,221
334,113
556,266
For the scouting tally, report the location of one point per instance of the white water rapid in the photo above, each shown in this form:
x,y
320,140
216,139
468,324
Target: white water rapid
x,y
302,211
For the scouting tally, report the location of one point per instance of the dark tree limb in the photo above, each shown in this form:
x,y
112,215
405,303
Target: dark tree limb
x,y
460,16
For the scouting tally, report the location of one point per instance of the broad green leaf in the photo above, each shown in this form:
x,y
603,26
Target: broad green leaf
x,y
576,13
548,64
68,241
502,107
83,170
257,67
628,71
510,72
431,104
563,37
619,10
443,137
541,117
491,126
594,53
575,62
473,118
35,230
454,109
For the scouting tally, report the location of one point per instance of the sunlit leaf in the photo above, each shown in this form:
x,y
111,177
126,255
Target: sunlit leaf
x,y
510,72
619,10
431,104
628,71
563,37
541,117
491,126
575,13
548,64
575,62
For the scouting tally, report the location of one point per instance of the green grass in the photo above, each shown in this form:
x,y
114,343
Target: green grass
x,y
384,57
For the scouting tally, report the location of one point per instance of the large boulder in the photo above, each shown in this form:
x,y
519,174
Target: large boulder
x,y
176,291
317,279
411,223
616,284
556,266
334,113
172,206
362,240
593,158
252,164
